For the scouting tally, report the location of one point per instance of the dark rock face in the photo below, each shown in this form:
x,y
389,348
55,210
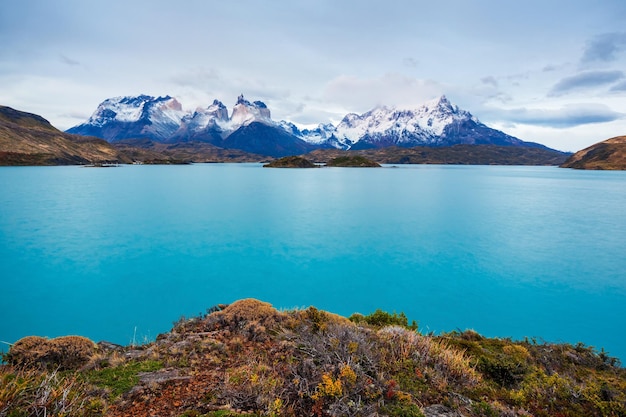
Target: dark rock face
x,y
468,132
262,139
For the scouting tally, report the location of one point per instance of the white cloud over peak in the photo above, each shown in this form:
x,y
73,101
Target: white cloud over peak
x,y
362,94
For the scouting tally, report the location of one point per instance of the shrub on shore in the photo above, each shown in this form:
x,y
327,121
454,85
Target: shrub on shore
x,y
63,353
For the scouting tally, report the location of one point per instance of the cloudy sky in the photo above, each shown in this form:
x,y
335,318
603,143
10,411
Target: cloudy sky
x,y
548,71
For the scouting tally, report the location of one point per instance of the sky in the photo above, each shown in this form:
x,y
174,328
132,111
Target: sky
x,y
547,71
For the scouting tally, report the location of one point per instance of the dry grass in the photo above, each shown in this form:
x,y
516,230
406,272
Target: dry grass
x,y
66,352
245,313
32,393
448,365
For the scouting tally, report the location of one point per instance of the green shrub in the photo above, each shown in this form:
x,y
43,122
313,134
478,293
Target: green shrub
x,y
381,318
503,370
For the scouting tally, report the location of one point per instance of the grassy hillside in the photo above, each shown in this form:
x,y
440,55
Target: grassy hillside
x,y
248,358
458,154
146,151
28,139
609,154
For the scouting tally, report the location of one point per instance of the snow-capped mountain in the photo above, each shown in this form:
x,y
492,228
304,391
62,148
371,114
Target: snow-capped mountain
x,y
216,115
435,123
323,134
203,125
131,117
245,112
250,127
386,126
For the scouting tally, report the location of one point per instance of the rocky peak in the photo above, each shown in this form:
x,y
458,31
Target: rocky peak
x,y
245,112
218,110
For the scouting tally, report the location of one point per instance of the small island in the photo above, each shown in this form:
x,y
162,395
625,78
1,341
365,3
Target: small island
x,y
352,161
291,162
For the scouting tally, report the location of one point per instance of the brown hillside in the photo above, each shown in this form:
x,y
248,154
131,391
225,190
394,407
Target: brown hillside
x,y
29,139
608,154
457,154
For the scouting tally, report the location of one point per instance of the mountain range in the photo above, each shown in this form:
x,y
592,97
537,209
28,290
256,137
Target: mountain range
x,y
250,128
29,139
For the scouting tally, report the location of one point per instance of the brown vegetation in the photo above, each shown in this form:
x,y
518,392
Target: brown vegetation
x,y
609,154
63,353
248,358
456,155
28,139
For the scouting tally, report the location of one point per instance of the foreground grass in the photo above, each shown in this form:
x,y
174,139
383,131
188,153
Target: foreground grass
x,y
250,359
120,379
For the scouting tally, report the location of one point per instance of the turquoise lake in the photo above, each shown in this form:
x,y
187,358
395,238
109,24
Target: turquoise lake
x,y
121,253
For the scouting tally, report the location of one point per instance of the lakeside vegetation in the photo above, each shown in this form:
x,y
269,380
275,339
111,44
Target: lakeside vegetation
x,y
449,155
248,358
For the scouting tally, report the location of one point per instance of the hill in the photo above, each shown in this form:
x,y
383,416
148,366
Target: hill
x,y
457,154
29,139
352,161
608,154
250,359
145,150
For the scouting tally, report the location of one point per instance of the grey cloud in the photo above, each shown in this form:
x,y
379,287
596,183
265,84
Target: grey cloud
x,y
568,116
69,61
604,47
619,87
585,80
490,80
410,62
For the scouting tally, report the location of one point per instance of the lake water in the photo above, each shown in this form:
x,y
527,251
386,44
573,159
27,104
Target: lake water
x,y
121,253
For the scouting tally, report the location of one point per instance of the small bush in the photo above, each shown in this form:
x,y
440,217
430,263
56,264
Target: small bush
x,y
504,370
250,318
316,320
381,318
64,353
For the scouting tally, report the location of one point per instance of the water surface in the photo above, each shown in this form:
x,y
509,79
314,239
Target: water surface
x,y
120,253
